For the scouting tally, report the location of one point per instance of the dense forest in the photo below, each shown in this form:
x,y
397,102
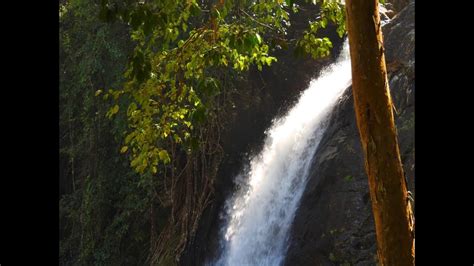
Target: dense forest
x,y
163,103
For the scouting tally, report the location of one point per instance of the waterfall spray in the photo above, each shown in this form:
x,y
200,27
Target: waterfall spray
x,y
259,215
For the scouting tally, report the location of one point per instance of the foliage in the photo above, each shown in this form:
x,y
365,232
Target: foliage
x,y
101,206
184,60
319,47
348,177
173,76
185,50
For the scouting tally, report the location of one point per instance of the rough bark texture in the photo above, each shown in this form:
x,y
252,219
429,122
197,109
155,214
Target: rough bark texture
x,y
375,121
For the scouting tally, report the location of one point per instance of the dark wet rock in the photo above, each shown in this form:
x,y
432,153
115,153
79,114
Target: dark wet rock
x,y
398,5
385,14
260,98
334,223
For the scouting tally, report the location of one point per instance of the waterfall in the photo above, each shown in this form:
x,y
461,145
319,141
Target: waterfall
x,y
260,213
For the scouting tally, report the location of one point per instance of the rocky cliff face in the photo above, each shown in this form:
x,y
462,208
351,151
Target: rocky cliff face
x,y
261,97
334,223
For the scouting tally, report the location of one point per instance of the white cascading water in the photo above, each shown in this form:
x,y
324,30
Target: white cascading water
x,y
259,215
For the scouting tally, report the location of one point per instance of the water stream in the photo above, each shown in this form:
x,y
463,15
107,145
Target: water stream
x,y
260,213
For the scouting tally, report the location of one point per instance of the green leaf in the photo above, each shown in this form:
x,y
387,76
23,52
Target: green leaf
x,y
215,13
324,23
259,39
124,149
269,60
176,138
195,9
164,156
114,109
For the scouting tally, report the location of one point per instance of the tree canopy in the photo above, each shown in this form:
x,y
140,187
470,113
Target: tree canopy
x,y
183,48
163,70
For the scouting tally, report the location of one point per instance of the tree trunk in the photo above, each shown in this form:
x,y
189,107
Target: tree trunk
x,y
373,108
152,231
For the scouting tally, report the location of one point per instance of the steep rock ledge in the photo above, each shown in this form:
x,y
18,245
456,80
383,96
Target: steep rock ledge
x,y
262,97
334,223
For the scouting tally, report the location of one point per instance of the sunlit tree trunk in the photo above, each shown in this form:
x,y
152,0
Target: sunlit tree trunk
x,y
373,108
